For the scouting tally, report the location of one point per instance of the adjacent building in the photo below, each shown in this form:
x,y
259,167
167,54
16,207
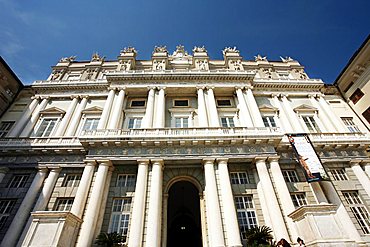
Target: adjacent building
x,y
180,150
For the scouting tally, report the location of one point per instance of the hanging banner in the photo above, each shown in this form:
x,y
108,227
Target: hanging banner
x,y
307,157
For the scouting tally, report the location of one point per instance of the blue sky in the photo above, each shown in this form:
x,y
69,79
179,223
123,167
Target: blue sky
x,y
321,35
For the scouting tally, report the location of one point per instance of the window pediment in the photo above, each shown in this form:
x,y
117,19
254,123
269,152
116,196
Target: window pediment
x,y
268,108
305,108
93,110
52,111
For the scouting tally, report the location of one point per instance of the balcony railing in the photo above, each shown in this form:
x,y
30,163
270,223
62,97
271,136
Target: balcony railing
x,y
40,142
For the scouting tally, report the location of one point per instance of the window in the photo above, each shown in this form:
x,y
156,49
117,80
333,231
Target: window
x,y
126,180
311,124
73,77
134,123
283,75
72,180
290,176
246,214
352,127
339,174
63,204
299,199
5,127
356,96
223,102
90,124
239,178
46,127
227,122
269,121
359,210
120,216
18,181
181,122
137,103
366,114
181,103
6,207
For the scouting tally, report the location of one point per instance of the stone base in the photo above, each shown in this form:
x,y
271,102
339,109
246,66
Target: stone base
x,y
319,226
52,229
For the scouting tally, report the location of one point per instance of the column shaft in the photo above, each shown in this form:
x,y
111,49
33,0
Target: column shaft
x,y
24,118
270,197
231,221
335,121
213,114
202,112
67,117
322,114
292,117
244,114
117,110
3,172
16,227
138,209
286,126
148,118
367,169
160,110
87,231
253,109
216,234
76,118
107,109
35,116
153,237
361,176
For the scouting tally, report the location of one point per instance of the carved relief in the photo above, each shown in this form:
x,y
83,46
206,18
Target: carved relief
x,y
202,64
97,58
67,59
236,65
302,75
267,72
159,64
160,49
57,74
125,65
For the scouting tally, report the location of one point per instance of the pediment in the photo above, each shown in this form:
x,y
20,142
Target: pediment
x,y
52,110
268,108
93,110
305,108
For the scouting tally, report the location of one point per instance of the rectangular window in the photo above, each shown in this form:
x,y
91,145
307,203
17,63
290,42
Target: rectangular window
x,y
126,180
311,124
359,210
339,174
137,103
290,176
239,178
18,181
120,216
5,127
181,122
73,77
352,127
72,180
181,103
366,115
269,121
227,122
134,123
46,127
246,214
223,102
299,199
6,207
90,124
63,204
283,75
356,96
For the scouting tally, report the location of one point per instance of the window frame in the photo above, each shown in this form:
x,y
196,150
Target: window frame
x,y
227,122
66,206
350,124
180,99
121,216
248,211
356,96
358,209
269,122
6,210
46,130
339,174
20,183
290,175
129,181
314,125
72,180
225,99
299,199
236,178
137,99
6,127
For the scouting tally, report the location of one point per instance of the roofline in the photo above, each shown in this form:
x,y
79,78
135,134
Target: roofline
x,y
11,72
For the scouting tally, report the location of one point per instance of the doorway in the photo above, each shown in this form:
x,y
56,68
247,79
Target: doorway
x,y
183,216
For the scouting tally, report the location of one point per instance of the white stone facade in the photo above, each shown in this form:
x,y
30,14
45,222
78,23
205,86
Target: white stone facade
x,y
180,150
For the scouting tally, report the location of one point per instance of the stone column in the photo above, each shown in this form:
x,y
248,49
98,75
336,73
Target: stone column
x,y
284,195
117,110
67,117
335,121
286,126
26,115
79,202
367,168
107,109
318,193
253,109
292,117
322,114
361,175
138,208
153,235
278,223
231,221
160,109
73,124
215,234
87,231
213,114
244,114
3,171
35,116
16,227
149,111
202,112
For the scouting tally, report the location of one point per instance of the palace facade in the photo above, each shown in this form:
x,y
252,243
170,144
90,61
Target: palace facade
x,y
180,150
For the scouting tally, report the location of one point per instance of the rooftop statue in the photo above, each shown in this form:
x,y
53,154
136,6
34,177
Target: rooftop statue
x,y
199,49
160,49
96,57
260,58
67,59
129,49
286,59
180,51
229,49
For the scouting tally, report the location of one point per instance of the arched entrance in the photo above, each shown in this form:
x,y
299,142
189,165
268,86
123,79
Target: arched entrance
x,y
183,216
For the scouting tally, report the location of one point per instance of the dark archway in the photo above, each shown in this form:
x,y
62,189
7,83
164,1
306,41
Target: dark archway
x,y
183,216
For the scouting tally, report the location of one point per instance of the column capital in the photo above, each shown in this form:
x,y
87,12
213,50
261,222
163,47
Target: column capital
x,y
143,161
222,160
90,162
105,163
42,169
260,159
84,96
161,88
210,87
239,88
151,88
311,95
55,168
112,89
355,162
36,97
365,162
273,159
208,161
275,95
249,87
200,87
159,162
45,97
